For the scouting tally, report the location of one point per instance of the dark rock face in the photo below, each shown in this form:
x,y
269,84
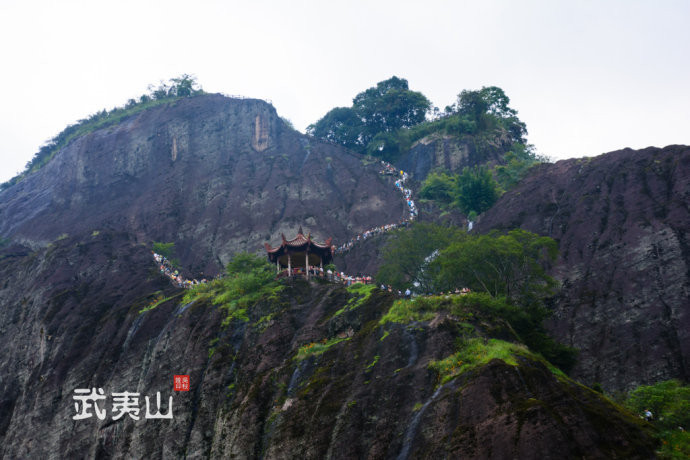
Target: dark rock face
x,y
452,153
622,221
249,397
212,174
217,176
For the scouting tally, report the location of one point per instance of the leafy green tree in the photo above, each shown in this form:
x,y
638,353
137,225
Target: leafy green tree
x,y
183,86
489,108
385,108
511,265
408,255
389,106
518,161
340,125
440,187
669,403
477,190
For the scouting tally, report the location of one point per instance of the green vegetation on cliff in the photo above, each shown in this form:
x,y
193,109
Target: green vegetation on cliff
x,y
669,405
165,93
431,258
473,353
505,272
249,278
375,114
385,120
473,191
500,319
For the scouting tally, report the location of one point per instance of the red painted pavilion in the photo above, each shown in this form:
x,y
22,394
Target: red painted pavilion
x,y
301,253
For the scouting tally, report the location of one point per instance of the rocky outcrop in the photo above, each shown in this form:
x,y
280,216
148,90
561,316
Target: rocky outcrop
x,y
370,395
214,175
453,153
622,221
83,306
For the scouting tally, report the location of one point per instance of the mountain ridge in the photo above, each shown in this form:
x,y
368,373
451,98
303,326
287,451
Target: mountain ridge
x,y
218,176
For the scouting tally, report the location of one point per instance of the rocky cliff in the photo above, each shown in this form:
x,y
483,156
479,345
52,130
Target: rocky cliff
x,y
256,388
452,153
217,176
622,222
214,175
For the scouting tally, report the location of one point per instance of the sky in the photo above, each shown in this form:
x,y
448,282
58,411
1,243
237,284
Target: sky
x,y
587,77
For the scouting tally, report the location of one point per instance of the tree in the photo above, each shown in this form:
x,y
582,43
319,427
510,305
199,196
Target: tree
x,y
476,190
669,404
511,265
385,108
407,256
440,187
340,125
518,161
390,106
184,86
668,401
489,108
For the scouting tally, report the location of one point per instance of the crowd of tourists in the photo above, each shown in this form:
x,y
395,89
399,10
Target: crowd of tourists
x,y
166,268
401,177
330,275
389,169
343,248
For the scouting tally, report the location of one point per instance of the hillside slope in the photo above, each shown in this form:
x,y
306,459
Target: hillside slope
x,y
370,395
622,221
214,175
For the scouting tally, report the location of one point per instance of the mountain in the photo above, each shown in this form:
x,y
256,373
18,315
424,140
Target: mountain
x,y
316,370
622,221
212,174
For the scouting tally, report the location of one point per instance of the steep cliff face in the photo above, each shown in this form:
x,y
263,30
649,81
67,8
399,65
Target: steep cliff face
x,y
622,221
213,174
452,153
217,176
251,395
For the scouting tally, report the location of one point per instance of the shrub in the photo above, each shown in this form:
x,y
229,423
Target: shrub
x,y
473,353
669,403
249,279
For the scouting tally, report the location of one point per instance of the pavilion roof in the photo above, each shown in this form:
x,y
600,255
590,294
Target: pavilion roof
x,y
299,241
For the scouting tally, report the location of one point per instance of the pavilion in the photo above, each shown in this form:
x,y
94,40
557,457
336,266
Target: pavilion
x,y
301,253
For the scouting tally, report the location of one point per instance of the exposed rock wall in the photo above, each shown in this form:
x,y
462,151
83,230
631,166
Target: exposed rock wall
x,y
369,396
622,221
452,153
212,174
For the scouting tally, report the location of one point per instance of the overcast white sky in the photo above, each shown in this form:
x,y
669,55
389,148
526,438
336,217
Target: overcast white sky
x,y
586,76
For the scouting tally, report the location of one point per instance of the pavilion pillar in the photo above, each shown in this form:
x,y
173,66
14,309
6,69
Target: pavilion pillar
x,y
289,266
306,262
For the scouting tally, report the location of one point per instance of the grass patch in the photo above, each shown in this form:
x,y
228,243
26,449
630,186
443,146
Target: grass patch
x,y
405,311
249,279
317,348
473,353
157,301
360,294
526,323
373,363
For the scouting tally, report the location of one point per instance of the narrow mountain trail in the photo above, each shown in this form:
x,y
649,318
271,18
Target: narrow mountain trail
x,y
166,268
